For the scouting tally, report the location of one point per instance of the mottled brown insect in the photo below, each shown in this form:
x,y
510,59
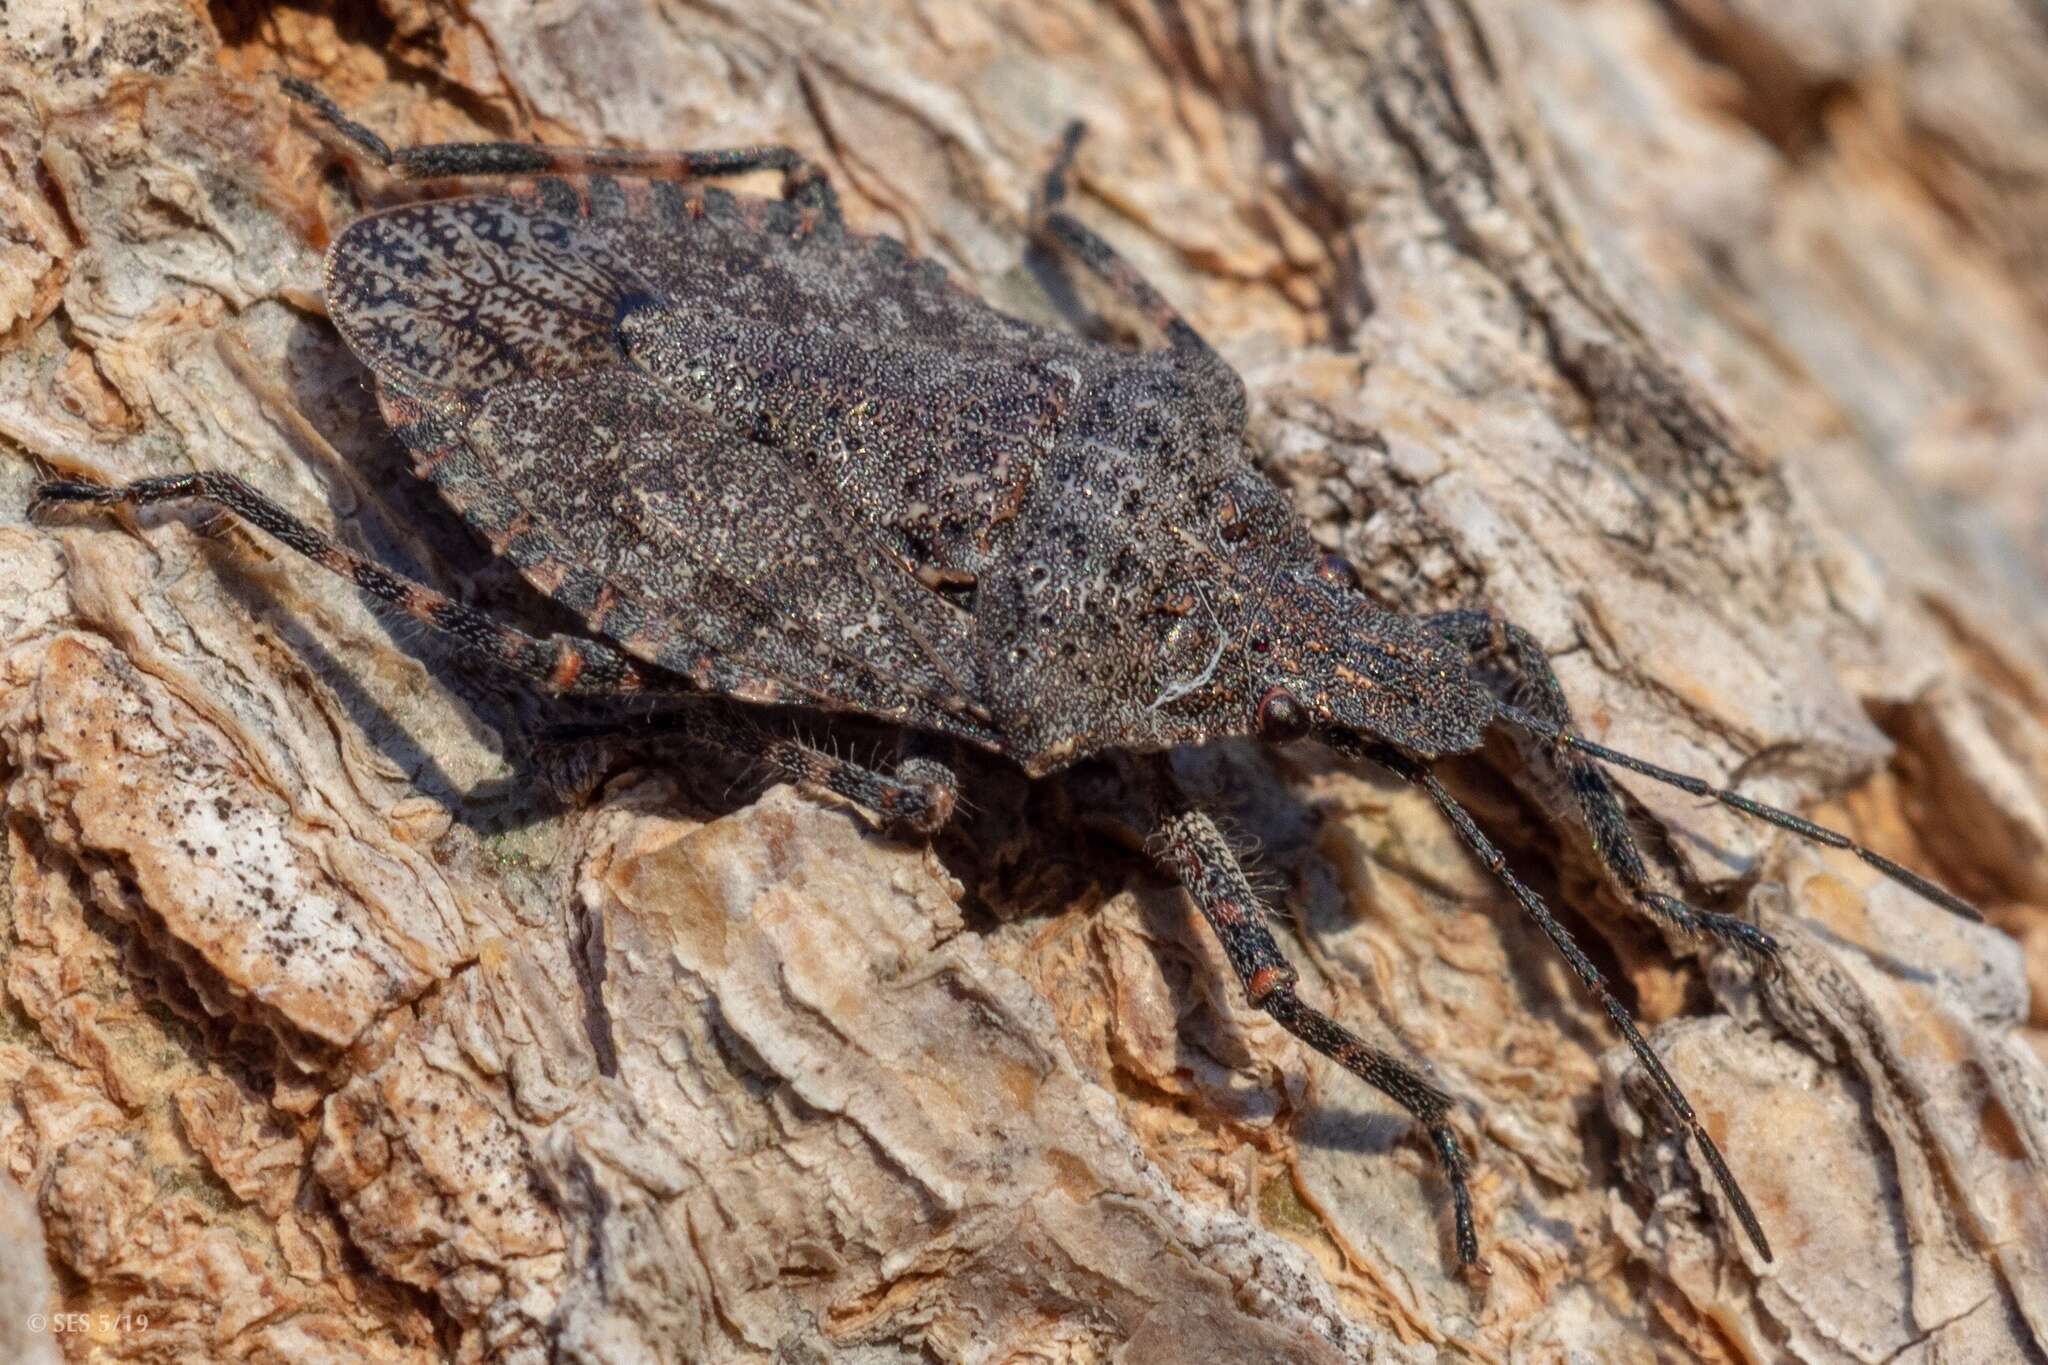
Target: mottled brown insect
x,y
764,457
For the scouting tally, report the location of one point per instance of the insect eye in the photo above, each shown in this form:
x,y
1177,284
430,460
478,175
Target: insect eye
x,y
1338,570
1282,716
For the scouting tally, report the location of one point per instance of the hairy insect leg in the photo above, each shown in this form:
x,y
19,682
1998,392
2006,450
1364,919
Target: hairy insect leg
x,y
804,182
558,664
1485,636
1589,976
1074,239
1191,846
920,794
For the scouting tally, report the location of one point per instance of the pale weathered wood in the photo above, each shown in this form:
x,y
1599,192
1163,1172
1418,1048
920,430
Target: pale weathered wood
x,y
1706,338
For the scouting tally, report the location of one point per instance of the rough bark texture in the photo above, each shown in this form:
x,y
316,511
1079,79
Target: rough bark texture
x,y
1707,338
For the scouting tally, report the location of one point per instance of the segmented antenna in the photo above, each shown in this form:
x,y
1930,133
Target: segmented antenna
x,y
1783,819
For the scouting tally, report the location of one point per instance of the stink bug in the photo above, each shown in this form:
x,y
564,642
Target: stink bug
x,y
766,458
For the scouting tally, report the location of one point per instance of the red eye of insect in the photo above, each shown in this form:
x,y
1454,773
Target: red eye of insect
x,y
1338,570
1282,716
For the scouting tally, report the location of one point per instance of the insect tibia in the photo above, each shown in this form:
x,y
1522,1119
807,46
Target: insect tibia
x,y
1783,819
1247,851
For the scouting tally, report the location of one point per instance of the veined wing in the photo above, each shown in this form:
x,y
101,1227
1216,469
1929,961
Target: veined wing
x,y
685,534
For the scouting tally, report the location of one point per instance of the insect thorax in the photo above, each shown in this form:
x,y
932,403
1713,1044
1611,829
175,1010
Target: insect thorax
x,y
1113,614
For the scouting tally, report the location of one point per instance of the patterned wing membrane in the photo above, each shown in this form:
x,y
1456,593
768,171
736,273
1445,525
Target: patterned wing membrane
x,y
929,448
673,535
495,324
465,294
745,257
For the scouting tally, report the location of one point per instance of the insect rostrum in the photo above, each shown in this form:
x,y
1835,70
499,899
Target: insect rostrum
x,y
764,457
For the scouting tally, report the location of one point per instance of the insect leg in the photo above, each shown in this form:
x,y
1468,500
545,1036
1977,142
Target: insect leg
x,y
1070,237
804,183
1195,850
1487,636
558,664
1589,976
920,795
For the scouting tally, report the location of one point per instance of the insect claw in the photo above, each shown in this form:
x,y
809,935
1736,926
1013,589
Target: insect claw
x,y
1760,946
1729,929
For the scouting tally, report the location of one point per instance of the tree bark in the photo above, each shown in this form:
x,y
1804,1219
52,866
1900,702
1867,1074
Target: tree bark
x,y
1708,341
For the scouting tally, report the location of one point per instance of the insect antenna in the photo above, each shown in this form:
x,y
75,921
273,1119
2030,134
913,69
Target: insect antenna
x,y
1783,819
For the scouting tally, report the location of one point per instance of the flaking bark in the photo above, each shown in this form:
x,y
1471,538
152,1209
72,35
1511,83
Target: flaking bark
x,y
1705,341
